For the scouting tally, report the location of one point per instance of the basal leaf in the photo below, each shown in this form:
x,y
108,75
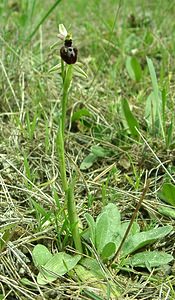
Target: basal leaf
x,y
77,115
117,238
102,230
88,161
150,259
107,224
93,265
130,119
99,151
58,265
167,193
167,211
133,67
41,255
91,273
142,239
108,251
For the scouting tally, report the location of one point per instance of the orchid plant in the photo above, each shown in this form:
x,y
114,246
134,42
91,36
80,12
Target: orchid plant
x,y
68,54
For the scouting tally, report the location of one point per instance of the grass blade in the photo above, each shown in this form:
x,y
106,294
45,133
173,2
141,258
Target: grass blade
x,y
42,21
156,103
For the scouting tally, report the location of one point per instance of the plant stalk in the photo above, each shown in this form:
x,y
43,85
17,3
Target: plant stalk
x,y
61,154
66,72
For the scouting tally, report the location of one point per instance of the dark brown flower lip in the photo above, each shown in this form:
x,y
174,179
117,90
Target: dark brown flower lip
x,y
69,53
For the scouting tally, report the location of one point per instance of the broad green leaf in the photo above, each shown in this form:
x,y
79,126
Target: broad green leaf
x,y
102,230
99,151
93,265
150,259
41,255
91,224
167,211
117,238
90,273
130,119
113,213
108,251
142,239
134,69
107,224
77,115
88,161
58,265
167,193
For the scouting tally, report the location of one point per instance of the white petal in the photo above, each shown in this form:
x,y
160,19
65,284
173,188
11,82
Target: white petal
x,y
62,30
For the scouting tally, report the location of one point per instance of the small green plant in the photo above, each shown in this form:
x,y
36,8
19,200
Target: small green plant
x,y
159,121
52,266
68,55
63,261
107,232
156,107
95,154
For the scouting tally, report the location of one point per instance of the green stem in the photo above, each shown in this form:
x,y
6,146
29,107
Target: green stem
x,y
68,188
64,106
61,154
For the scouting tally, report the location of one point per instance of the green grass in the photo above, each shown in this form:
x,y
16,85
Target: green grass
x,y
111,118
